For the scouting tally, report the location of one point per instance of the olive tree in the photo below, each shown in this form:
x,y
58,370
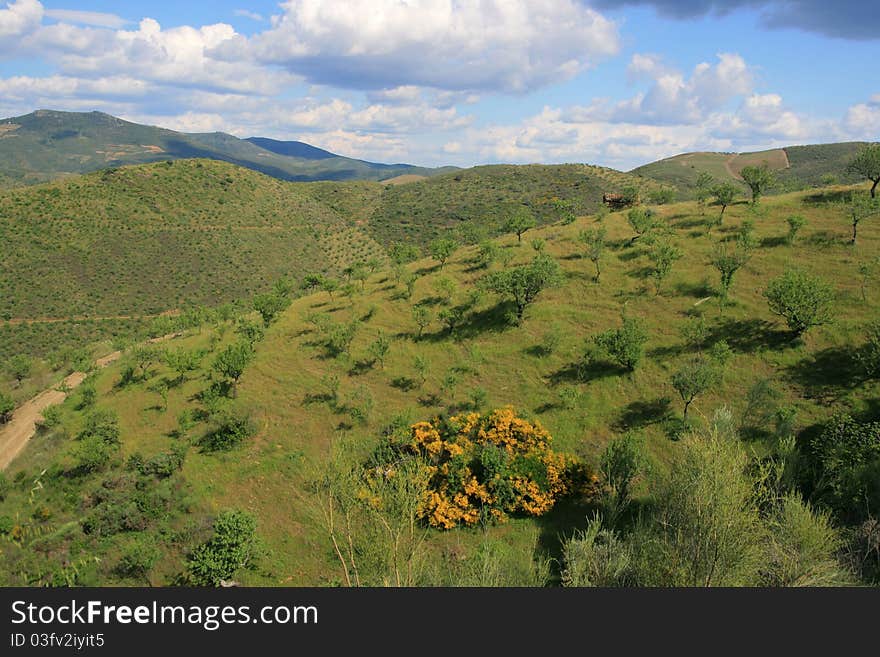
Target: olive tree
x,y
594,240
624,345
759,179
524,283
520,220
232,361
804,300
663,255
725,194
860,207
641,220
442,249
866,164
728,261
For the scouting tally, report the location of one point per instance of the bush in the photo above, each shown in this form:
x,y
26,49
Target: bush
x,y
229,430
232,547
138,559
7,405
804,300
486,467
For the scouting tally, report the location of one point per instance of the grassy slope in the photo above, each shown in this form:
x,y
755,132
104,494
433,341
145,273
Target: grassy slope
x,y
808,164
267,475
422,210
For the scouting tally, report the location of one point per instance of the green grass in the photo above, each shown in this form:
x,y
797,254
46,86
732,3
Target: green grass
x,y
294,431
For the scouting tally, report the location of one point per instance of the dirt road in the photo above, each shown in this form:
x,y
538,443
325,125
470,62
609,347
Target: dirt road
x,y
17,432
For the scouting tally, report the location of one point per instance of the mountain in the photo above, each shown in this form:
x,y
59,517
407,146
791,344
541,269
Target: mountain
x,y
797,167
46,145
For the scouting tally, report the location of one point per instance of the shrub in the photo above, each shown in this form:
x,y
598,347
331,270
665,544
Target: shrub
x,y
868,356
802,299
795,223
232,547
138,559
7,405
229,429
486,467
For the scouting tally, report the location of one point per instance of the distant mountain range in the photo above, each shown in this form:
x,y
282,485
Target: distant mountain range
x,y
47,144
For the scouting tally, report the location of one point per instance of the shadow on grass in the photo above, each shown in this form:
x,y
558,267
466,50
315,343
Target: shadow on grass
x,y
642,413
694,290
827,373
584,372
692,223
404,383
749,335
559,524
828,196
771,242
825,239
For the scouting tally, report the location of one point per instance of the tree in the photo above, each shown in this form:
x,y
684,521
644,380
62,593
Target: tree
x,y
725,193
594,240
663,255
403,253
624,345
795,223
373,264
802,299
620,464
641,220
525,282
442,249
361,275
519,221
379,349
759,179
565,208
729,261
422,367
866,164
144,356
232,547
487,253
20,367
232,361
269,305
704,186
330,285
861,207
7,405
694,378
422,318
312,282
182,361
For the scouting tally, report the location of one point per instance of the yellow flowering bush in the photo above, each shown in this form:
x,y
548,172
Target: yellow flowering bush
x,y
486,467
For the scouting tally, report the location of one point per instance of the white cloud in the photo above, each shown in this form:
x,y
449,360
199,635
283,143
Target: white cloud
x,y
500,45
95,18
19,18
254,16
862,120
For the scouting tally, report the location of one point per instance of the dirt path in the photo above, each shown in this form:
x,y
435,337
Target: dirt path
x,y
85,318
17,432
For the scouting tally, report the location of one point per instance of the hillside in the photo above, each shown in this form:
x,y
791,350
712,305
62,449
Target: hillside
x,y
142,240
796,167
46,145
306,403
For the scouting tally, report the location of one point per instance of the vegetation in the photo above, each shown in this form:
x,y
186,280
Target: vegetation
x,y
804,300
866,164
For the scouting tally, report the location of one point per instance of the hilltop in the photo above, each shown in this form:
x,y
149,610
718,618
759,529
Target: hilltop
x,y
796,167
305,401
47,144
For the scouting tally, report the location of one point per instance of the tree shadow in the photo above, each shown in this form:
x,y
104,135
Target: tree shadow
x,y
824,239
404,383
827,374
557,525
694,290
749,335
585,371
429,400
642,413
642,273
691,223
828,196
771,242
361,367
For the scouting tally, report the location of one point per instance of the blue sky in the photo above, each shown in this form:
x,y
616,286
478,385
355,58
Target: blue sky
x,y
610,82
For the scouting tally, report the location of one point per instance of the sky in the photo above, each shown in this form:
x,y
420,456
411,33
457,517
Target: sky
x,y
616,83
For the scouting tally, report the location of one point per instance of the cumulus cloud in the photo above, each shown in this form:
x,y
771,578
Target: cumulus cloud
x,y
846,19
673,99
494,45
19,18
96,18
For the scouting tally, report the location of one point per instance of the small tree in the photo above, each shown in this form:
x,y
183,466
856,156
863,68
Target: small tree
x,y
487,253
594,240
330,285
360,274
866,164
624,345
232,547
20,367
663,255
620,464
525,282
422,318
378,349
725,193
694,378
421,366
520,220
729,261
759,179
144,356
641,220
795,223
269,305
859,208
232,361
442,249
704,186
802,299
403,253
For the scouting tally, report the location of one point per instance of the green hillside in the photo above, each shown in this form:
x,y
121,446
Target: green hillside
x,y
796,167
46,145
139,516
